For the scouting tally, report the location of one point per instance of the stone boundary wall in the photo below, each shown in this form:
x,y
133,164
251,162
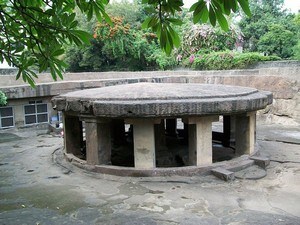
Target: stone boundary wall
x,y
283,81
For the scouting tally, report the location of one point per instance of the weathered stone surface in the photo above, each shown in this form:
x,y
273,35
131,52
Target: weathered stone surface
x,y
262,162
223,174
251,173
82,197
165,100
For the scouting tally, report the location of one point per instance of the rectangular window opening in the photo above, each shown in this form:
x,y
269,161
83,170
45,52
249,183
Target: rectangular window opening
x,y
36,112
6,117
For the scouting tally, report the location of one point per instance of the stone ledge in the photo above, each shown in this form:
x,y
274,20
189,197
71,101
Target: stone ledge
x,y
262,162
232,166
223,174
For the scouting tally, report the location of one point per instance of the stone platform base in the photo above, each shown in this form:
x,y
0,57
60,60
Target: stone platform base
x,y
233,165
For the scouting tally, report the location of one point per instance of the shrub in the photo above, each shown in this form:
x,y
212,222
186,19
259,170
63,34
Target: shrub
x,y
3,98
229,60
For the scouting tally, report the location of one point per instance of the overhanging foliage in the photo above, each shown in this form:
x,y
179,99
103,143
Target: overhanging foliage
x,y
33,32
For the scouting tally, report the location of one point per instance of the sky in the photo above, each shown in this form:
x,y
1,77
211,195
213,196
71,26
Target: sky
x,y
293,5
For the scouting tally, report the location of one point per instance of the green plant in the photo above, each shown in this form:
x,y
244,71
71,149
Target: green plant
x,y
229,60
278,40
162,60
3,99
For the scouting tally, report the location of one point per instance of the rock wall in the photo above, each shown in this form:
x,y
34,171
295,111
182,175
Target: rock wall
x,y
283,79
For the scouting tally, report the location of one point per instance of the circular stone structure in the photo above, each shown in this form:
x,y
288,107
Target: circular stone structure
x,y
152,110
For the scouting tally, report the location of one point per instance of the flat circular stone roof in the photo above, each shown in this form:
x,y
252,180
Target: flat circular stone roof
x,y
163,100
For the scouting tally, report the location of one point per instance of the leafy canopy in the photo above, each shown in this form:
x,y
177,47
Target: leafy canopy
x,y
269,29
34,32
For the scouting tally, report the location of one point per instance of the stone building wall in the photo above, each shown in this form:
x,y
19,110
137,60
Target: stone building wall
x,y
281,78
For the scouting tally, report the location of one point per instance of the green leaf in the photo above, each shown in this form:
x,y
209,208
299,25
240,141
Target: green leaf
x,y
82,35
175,21
43,65
194,6
53,73
245,6
73,24
197,13
58,71
233,5
162,38
175,37
153,22
158,30
169,43
18,74
30,81
107,18
222,21
90,13
227,7
145,24
58,52
204,16
212,16
71,17
98,14
201,13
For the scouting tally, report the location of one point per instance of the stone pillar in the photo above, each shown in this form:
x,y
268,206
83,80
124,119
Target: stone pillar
x,y
144,142
72,134
98,141
171,127
245,133
200,139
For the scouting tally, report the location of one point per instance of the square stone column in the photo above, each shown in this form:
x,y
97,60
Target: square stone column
x,y
144,142
200,139
98,141
245,127
72,134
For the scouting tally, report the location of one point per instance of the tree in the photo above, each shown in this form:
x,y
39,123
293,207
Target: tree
x,y
33,33
123,46
277,41
296,49
258,29
199,39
